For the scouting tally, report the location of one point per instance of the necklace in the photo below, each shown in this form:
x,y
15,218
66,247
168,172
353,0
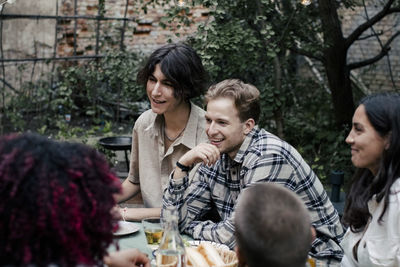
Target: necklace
x,y
176,137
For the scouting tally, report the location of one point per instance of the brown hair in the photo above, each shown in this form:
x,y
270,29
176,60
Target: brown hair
x,y
245,96
272,227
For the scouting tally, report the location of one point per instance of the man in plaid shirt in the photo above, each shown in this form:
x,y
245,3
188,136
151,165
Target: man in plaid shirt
x,y
238,155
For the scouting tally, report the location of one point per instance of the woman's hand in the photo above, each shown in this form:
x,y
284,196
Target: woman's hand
x,y
127,257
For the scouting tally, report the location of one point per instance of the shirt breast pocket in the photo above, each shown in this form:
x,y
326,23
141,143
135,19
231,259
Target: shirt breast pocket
x,y
380,252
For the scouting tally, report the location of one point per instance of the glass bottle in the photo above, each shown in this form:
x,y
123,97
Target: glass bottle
x,y
171,251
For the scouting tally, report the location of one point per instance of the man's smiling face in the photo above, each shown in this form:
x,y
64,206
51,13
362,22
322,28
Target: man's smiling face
x,y
224,128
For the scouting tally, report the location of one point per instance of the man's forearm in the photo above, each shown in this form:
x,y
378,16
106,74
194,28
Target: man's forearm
x,y
221,232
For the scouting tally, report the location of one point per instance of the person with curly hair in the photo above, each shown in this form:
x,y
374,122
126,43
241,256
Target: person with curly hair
x,y
372,211
56,204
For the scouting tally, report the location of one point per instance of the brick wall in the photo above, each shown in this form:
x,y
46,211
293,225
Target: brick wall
x,y
375,77
24,38
31,38
143,34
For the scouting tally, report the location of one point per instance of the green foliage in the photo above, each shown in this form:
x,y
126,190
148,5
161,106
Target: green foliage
x,y
102,7
101,89
67,90
309,126
119,70
68,132
249,40
23,104
95,93
14,114
221,48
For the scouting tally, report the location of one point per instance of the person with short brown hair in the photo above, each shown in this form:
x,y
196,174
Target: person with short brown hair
x,y
246,97
276,233
239,154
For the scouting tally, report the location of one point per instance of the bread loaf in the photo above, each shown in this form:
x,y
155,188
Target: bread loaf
x,y
205,255
195,258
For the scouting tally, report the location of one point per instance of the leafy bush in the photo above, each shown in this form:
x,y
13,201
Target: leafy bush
x,y
93,94
310,127
102,90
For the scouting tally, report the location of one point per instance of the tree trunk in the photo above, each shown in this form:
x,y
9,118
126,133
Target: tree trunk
x,y
335,63
340,85
278,85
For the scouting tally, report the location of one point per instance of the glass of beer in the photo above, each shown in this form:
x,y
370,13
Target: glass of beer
x,y
153,230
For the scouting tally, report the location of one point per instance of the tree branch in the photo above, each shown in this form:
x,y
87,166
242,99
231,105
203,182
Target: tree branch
x,y
385,49
306,53
370,36
363,27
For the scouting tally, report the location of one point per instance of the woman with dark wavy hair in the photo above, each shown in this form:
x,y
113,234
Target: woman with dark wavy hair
x,y
372,209
172,76
56,203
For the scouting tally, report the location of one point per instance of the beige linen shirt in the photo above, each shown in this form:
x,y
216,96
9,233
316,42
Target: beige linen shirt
x,y
150,165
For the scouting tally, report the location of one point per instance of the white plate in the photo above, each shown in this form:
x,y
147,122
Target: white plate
x,y
217,245
126,228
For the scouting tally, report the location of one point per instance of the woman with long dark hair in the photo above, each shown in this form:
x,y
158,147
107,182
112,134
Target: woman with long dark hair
x,y
372,211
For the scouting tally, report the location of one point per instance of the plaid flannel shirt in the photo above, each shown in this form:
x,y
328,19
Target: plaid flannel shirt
x,y
261,158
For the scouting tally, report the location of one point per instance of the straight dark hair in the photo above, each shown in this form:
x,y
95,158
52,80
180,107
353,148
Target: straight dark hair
x,y
383,112
182,66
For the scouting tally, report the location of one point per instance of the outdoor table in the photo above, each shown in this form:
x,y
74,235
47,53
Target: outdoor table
x,y
137,240
134,240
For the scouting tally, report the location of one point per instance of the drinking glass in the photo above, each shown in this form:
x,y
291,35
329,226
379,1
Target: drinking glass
x,y
153,230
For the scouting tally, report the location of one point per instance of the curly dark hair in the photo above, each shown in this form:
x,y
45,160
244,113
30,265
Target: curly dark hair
x,y
56,201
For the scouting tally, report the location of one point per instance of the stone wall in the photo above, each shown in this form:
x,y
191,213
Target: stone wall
x,y
28,37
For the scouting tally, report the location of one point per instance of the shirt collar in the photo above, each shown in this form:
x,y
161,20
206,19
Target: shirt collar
x,y
189,134
245,145
155,126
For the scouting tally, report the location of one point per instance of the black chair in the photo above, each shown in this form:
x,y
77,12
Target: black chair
x,y
118,143
336,196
